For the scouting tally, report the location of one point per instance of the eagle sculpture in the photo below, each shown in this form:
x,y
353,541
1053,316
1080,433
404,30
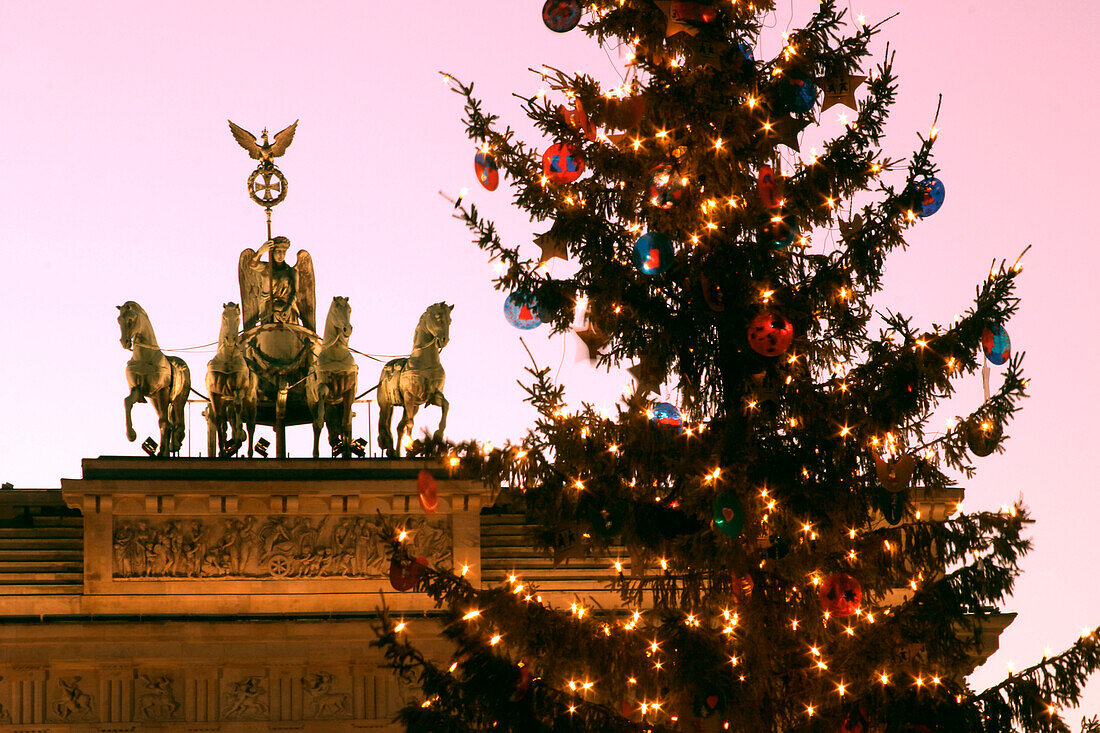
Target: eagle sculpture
x,y
263,151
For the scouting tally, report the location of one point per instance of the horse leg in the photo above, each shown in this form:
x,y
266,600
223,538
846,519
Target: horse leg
x,y
250,418
441,402
130,400
405,427
349,403
160,405
319,418
385,437
177,421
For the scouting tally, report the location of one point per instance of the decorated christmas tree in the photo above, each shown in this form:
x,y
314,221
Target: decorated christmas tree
x,y
784,541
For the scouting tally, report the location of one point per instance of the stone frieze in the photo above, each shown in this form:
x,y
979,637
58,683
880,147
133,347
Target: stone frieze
x,y
271,547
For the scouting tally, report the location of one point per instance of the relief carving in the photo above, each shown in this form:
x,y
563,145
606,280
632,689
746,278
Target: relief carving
x,y
273,547
158,702
323,702
73,703
247,700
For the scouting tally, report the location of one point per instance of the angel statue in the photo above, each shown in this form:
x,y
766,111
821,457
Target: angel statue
x,y
273,291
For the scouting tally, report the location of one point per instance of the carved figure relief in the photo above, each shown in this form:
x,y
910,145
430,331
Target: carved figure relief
x,y
72,702
247,700
158,702
276,547
323,702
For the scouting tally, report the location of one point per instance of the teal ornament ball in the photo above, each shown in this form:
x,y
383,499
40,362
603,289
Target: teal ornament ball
x,y
729,516
653,253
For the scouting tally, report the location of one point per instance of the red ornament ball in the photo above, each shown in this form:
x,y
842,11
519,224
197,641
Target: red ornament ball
x,y
427,492
742,587
770,334
840,594
562,163
404,576
766,188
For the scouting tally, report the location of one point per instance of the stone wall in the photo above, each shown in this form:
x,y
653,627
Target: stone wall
x,y
318,675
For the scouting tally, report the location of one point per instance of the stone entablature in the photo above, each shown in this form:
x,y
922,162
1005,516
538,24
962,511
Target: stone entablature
x,y
226,676
256,536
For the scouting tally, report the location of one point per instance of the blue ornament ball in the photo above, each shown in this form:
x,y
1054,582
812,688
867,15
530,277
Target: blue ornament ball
x,y
930,196
798,92
653,253
561,16
996,344
521,310
667,414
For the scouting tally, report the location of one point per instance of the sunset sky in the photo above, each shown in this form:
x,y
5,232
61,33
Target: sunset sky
x,y
119,180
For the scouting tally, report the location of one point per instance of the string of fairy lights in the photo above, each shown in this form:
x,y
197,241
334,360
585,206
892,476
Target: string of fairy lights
x,y
825,635
630,628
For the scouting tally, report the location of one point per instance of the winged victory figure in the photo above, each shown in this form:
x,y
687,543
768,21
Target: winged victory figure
x,y
274,291
263,151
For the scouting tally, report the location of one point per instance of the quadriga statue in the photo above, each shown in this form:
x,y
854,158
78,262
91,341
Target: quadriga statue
x,y
330,386
415,380
163,381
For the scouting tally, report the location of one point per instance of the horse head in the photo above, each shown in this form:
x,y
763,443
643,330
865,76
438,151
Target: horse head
x,y
231,322
132,321
338,323
436,322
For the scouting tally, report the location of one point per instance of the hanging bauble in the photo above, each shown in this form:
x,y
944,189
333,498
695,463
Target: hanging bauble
x,y
766,188
624,114
562,163
930,195
404,575
742,587
712,294
853,723
982,436
779,232
778,548
729,515
840,594
666,414
487,170
996,345
569,542
523,681
653,253
577,118
797,92
770,334
521,310
895,474
561,16
892,507
427,492
664,186
708,702
607,520
746,54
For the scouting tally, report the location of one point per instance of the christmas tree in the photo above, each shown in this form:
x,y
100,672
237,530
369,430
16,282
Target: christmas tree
x,y
768,537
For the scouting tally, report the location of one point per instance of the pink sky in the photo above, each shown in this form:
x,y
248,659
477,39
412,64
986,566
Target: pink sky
x,y
119,181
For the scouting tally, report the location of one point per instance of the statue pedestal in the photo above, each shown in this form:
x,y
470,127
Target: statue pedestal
x,y
261,536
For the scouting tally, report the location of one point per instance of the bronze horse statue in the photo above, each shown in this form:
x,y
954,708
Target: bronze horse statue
x,y
233,391
331,383
165,381
416,380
